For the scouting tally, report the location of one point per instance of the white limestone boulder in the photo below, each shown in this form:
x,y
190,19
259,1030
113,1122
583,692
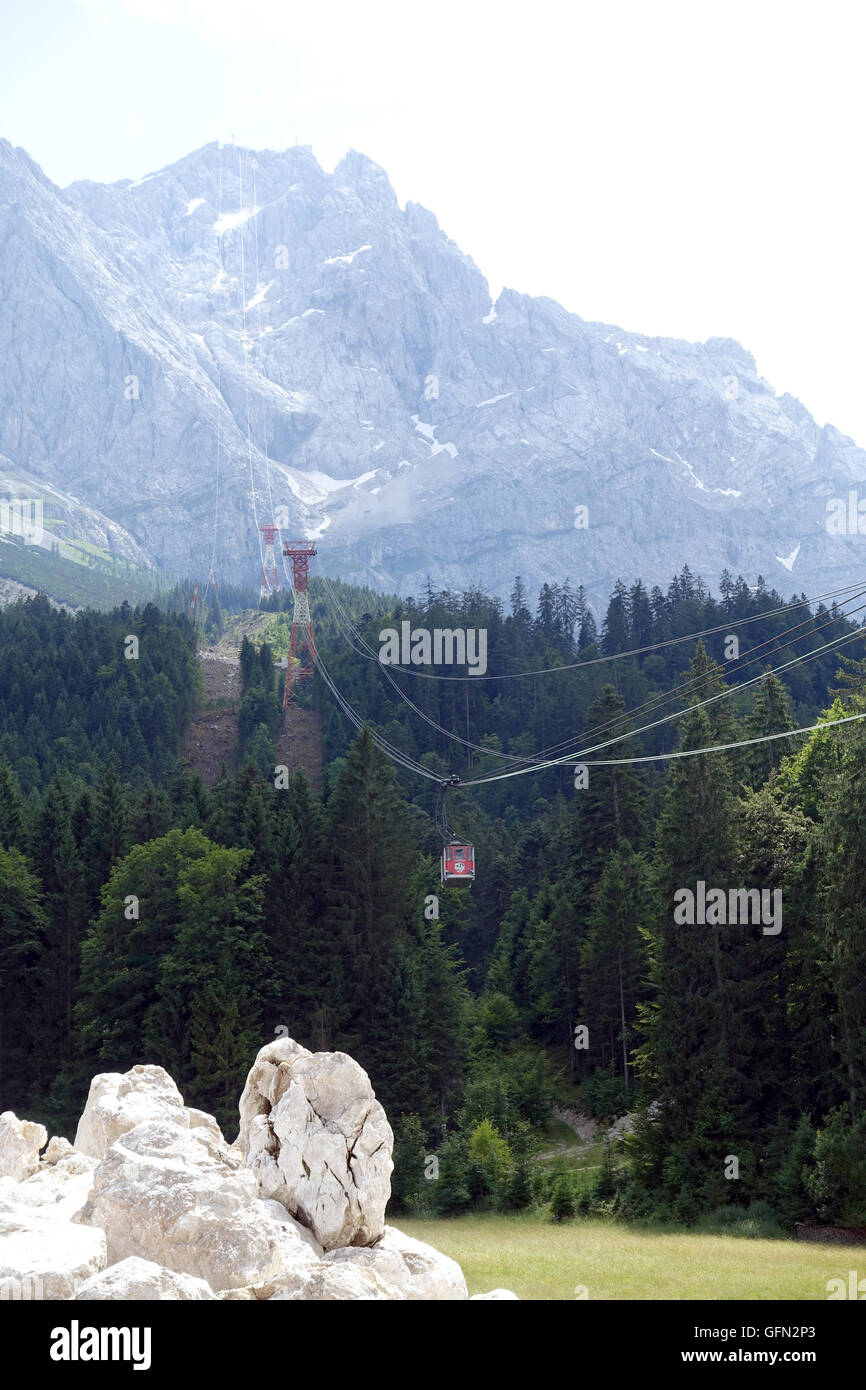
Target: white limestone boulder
x,y
138,1279
298,1246
72,1163
152,1203
183,1200
58,1148
325,1282
318,1142
20,1142
58,1190
415,1268
199,1119
118,1101
42,1255
494,1294
298,1250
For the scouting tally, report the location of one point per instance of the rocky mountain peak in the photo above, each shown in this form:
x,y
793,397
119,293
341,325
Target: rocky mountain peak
x,y
338,361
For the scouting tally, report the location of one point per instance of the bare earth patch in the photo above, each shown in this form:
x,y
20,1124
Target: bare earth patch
x,y
212,737
299,743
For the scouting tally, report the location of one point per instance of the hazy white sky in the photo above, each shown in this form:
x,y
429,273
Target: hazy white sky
x,y
688,169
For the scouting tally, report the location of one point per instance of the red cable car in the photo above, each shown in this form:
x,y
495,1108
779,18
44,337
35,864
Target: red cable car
x,y
458,862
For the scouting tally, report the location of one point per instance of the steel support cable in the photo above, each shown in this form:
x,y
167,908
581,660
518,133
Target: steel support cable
x,y
386,749
635,651
800,660
265,449
245,356
580,754
467,743
443,824
441,818
653,703
723,747
396,754
690,686
659,757
216,509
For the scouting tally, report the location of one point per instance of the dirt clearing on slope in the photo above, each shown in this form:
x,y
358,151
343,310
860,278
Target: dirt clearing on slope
x,y
212,737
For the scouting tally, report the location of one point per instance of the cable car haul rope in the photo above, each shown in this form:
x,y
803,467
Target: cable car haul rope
x,y
458,857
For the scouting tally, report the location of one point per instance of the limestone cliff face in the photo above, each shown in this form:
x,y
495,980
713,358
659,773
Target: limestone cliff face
x,y
394,412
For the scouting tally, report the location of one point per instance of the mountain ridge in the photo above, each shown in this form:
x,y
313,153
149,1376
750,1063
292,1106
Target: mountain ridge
x,y
396,414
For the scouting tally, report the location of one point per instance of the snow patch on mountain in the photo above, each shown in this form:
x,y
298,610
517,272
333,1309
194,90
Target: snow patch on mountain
x,y
227,221
259,296
429,433
788,560
348,259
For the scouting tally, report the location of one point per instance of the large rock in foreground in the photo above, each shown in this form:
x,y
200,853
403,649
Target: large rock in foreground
x,y
43,1257
57,1190
326,1282
154,1204
136,1279
117,1102
412,1266
181,1199
20,1142
318,1142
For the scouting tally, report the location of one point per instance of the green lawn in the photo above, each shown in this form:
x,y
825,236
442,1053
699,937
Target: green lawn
x,y
536,1259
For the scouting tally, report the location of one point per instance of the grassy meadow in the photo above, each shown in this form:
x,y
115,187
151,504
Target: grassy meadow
x,y
542,1260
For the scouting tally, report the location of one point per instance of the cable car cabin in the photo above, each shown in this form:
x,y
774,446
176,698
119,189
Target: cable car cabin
x,y
458,863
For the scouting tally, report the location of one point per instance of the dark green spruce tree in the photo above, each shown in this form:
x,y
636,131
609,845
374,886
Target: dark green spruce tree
x,y
369,889
690,1025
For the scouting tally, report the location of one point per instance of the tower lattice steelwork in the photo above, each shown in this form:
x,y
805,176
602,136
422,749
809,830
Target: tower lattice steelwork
x,y
302,653
270,573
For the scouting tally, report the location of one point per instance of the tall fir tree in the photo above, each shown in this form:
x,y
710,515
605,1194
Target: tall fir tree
x,y
770,714
613,959
369,878
22,954
612,806
685,1058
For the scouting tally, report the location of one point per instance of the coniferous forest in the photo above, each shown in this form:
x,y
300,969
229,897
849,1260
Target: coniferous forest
x,y
145,917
